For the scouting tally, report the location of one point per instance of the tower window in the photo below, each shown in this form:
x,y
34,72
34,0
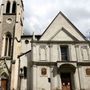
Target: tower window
x,y
8,7
8,44
14,7
64,53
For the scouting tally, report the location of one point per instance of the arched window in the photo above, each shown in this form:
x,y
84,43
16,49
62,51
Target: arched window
x,y
14,7
8,7
8,44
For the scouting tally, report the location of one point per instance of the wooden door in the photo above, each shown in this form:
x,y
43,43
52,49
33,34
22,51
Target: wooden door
x,y
66,81
3,84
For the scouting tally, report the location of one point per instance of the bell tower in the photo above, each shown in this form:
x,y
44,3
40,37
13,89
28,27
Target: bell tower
x,y
11,23
11,29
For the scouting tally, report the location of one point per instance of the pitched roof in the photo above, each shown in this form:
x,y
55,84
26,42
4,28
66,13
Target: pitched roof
x,y
60,13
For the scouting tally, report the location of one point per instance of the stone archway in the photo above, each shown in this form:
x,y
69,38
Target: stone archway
x,y
66,72
67,68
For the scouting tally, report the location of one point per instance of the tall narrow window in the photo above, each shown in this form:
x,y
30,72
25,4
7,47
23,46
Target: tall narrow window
x,y
64,53
8,44
25,72
14,7
8,7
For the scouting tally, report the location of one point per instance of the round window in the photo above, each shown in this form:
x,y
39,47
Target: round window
x,y
26,41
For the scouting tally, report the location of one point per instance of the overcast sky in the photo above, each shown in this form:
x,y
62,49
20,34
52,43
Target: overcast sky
x,y
39,13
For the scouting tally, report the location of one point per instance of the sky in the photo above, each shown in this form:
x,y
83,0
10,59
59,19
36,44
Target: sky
x,y
39,13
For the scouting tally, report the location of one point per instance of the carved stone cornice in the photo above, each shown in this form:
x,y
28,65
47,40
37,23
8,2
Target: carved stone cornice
x,y
62,42
87,63
58,63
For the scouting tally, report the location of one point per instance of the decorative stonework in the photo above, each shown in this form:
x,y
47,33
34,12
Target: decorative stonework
x,y
50,45
3,68
9,20
1,64
42,52
88,71
84,52
34,44
43,71
76,46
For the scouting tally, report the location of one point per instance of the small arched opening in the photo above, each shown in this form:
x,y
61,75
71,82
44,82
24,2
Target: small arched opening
x,y
8,7
14,7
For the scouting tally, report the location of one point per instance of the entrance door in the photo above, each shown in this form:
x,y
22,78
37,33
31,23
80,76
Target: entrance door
x,y
4,84
66,81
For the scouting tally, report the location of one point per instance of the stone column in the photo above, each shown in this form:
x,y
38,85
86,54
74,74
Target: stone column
x,y
59,82
55,77
34,76
78,53
3,45
51,76
59,53
0,83
82,77
34,55
76,80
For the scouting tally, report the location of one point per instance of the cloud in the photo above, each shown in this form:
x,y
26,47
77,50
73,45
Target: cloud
x,y
0,1
40,13
80,17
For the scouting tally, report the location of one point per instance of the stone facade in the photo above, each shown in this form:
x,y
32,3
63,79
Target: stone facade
x,y
59,59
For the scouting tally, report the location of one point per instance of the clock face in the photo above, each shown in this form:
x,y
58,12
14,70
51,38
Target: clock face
x,y
9,20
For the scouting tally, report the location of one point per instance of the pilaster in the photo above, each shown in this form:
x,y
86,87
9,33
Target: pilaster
x,y
59,82
76,80
34,76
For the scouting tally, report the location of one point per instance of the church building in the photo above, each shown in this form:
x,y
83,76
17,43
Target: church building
x,y
59,59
